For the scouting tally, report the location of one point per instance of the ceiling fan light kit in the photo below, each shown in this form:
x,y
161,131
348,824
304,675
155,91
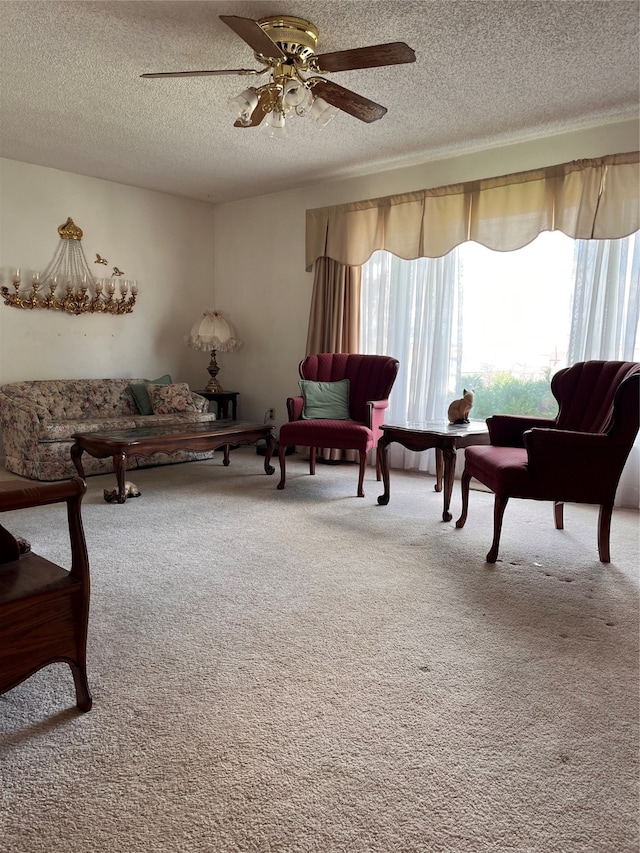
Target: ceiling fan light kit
x,y
285,47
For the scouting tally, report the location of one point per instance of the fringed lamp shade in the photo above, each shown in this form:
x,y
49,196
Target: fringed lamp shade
x,y
211,332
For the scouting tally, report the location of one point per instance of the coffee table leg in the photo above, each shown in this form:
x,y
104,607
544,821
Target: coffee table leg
x,y
271,443
383,446
76,458
120,468
449,454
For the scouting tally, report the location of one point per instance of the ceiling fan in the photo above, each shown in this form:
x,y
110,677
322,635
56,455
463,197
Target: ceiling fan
x,y
285,47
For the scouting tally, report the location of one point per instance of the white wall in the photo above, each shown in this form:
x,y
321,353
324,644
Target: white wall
x,y
254,267
260,280
164,242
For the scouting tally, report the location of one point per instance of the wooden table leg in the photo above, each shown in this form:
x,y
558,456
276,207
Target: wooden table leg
x,y
76,458
120,469
449,454
271,443
383,446
438,485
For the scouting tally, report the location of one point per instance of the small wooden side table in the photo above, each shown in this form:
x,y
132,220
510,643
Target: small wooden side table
x,y
444,437
222,400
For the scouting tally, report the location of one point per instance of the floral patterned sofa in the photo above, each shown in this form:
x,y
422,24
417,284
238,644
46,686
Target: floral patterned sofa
x,y
38,418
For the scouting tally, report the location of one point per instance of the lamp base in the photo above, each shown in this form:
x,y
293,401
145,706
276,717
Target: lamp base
x,y
214,387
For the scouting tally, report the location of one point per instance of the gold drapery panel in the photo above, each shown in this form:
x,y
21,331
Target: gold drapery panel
x,y
585,199
334,319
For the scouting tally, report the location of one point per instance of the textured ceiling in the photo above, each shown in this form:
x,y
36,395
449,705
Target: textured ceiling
x,y
487,73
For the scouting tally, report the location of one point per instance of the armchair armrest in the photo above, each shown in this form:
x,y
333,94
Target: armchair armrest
x,y
376,410
15,496
295,405
584,466
508,430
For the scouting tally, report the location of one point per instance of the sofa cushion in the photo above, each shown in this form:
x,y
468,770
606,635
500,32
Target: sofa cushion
x,y
325,399
141,395
63,430
69,399
174,419
166,399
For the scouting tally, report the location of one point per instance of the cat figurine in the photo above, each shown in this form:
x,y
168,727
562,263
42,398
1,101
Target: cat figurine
x,y
459,410
130,491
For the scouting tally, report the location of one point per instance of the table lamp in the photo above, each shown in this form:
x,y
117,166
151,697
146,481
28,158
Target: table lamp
x,y
211,332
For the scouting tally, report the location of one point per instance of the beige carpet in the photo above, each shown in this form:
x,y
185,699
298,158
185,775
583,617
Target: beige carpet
x,y
307,672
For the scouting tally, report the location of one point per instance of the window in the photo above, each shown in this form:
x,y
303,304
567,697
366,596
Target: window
x,y
515,323
500,323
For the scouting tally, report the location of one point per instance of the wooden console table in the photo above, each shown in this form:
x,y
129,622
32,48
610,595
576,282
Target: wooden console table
x,y
120,444
446,438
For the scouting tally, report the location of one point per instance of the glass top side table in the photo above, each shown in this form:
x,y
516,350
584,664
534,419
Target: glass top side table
x,y
446,438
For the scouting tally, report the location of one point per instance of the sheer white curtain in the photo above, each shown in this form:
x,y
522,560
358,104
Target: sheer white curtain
x,y
605,319
409,312
412,310
606,300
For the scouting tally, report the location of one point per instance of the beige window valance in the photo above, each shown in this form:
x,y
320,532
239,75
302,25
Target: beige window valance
x,y
586,199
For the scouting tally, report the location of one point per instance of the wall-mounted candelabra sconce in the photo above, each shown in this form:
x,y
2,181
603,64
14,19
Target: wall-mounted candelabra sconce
x,y
68,285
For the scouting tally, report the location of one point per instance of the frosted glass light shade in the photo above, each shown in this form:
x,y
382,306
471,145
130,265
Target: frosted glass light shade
x,y
294,94
274,126
322,112
244,104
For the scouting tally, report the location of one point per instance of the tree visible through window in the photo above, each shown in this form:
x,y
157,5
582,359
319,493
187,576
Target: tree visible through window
x,y
515,322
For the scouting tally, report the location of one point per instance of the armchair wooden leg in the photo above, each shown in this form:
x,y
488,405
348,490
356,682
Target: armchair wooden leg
x,y
363,462
558,514
83,695
312,460
281,460
604,531
499,506
464,486
378,465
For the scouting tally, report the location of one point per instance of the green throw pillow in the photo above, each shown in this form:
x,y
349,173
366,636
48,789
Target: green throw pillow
x,y
141,396
325,399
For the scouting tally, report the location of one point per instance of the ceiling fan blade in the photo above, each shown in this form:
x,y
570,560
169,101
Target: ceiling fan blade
x,y
245,71
348,101
393,53
258,114
251,32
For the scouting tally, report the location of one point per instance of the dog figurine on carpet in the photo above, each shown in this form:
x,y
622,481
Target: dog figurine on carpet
x,y
459,410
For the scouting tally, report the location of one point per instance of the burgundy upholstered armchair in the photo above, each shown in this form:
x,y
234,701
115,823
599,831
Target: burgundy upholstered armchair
x,y
577,456
371,378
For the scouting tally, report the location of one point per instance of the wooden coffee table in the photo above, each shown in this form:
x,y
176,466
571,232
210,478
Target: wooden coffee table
x,y
144,441
446,438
